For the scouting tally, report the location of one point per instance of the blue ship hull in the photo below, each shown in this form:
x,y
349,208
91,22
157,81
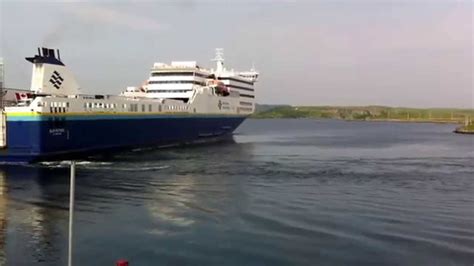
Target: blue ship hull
x,y
38,138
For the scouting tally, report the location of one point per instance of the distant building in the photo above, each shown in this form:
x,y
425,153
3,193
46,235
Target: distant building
x,y
8,96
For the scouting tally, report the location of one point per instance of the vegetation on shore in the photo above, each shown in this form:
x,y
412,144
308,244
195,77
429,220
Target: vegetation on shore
x,y
368,113
466,129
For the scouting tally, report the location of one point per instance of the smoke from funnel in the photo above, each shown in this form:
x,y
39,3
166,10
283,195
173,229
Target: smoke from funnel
x,y
55,36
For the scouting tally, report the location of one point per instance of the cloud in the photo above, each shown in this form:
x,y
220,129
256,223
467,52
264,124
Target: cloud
x,y
94,13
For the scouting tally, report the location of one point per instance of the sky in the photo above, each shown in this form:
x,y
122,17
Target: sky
x,y
344,52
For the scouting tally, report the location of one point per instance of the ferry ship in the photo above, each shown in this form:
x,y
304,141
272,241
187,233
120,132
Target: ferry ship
x,y
179,103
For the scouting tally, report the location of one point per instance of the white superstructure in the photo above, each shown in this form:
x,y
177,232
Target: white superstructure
x,y
176,80
241,82
181,80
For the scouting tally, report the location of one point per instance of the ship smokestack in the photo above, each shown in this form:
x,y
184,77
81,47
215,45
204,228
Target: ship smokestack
x,y
50,75
45,52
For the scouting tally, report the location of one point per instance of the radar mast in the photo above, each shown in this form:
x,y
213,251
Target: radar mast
x,y
219,60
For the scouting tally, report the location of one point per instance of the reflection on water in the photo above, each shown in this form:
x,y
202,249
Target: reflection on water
x,y
285,192
35,209
176,196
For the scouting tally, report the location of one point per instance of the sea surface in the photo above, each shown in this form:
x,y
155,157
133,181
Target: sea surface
x,y
284,192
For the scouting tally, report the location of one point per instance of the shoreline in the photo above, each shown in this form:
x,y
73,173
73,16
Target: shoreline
x,y
464,130
368,120
368,113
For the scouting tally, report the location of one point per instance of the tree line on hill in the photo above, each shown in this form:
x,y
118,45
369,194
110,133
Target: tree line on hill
x,y
382,113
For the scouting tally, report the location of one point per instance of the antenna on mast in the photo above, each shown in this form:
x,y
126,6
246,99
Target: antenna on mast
x,y
219,60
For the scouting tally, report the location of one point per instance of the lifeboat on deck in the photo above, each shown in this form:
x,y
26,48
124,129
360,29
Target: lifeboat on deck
x,y
220,88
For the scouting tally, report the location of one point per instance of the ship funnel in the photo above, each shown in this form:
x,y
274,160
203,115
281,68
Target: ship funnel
x,y
50,75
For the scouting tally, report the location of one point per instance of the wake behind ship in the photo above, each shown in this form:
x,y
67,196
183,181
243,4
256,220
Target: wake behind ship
x,y
179,103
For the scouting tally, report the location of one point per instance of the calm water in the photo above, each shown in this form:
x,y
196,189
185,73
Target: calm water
x,y
287,192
